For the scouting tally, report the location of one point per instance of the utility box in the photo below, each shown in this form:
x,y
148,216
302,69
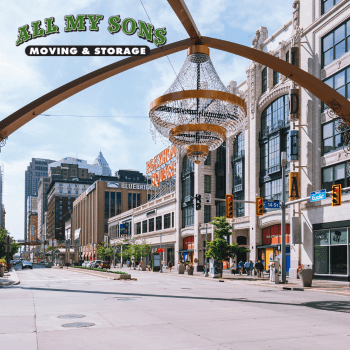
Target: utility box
x,y
213,268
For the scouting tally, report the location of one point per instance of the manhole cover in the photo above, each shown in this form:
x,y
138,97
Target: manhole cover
x,y
78,325
72,316
186,288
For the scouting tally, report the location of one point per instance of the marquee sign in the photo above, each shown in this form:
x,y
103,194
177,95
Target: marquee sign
x,y
162,166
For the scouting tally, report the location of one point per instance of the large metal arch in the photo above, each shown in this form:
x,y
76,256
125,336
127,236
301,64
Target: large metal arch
x,y
315,86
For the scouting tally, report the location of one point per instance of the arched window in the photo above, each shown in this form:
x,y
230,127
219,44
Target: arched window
x,y
264,80
274,138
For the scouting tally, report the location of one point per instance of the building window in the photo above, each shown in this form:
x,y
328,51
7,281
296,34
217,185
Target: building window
x,y
330,251
60,202
60,191
287,56
118,203
220,209
158,223
264,80
238,176
336,43
208,160
238,146
144,226
239,207
276,78
207,184
138,228
275,116
220,184
172,219
68,202
327,4
187,165
333,137
334,175
151,225
166,221
340,82
76,192
134,200
61,207
187,216
187,187
207,213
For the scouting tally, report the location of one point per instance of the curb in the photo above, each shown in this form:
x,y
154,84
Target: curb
x,y
14,281
17,281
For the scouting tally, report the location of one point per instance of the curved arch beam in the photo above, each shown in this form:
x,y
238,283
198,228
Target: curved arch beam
x,y
315,86
45,102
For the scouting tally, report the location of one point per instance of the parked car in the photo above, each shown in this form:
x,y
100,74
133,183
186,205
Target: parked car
x,y
95,264
85,263
13,262
27,264
105,265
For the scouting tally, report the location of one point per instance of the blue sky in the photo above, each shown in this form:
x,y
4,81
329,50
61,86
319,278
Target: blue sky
x,y
125,141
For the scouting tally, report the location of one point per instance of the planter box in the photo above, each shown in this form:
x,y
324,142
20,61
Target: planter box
x,y
2,271
190,271
306,277
182,269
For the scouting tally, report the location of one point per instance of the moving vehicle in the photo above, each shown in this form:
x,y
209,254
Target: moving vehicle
x,y
105,265
27,264
13,262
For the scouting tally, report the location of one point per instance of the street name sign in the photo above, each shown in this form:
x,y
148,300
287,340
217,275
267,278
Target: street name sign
x,y
271,205
317,195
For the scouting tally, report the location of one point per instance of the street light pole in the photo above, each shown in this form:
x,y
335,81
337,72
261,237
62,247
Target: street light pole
x,y
283,219
161,269
205,257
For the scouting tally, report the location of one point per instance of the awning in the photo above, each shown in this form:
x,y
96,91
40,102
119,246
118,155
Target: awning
x,y
186,250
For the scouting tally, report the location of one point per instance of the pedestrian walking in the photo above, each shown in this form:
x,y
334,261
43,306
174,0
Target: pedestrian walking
x,y
257,267
170,265
247,267
240,267
251,268
261,269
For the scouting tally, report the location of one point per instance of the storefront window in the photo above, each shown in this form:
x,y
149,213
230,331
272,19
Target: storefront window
x,y
144,226
331,251
151,225
166,221
158,223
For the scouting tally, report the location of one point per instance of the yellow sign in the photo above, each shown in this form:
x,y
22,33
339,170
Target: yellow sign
x,y
294,186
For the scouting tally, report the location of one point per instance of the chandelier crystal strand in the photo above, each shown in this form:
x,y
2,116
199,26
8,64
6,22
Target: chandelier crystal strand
x,y
197,111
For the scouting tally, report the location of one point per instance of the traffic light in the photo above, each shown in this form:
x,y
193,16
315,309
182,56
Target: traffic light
x,y
336,195
198,202
259,206
229,206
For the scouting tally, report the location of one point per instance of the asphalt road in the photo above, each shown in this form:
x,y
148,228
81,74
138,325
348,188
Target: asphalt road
x,y
159,311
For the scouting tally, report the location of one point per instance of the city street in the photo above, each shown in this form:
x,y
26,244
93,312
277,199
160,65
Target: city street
x,y
159,311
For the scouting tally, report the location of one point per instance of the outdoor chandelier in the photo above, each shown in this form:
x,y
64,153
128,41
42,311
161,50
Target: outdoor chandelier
x,y
197,111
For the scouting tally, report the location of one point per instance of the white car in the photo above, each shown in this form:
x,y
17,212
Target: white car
x,y
95,264
85,263
27,264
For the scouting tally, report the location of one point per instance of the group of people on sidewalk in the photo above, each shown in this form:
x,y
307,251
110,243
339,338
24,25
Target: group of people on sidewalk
x,y
249,267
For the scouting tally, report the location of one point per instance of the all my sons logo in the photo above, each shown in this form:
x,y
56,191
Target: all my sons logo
x,y
128,26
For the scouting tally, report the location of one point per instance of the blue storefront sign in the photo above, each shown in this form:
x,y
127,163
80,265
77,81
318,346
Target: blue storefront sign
x,y
317,195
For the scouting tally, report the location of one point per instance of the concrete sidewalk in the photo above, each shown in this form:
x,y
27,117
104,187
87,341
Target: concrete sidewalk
x,y
322,286
9,278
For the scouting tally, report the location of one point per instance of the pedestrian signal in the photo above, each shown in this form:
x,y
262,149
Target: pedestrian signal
x,y
198,202
259,206
336,195
294,191
229,206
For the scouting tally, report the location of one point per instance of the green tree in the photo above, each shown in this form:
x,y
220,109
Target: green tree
x,y
104,251
14,246
135,249
219,249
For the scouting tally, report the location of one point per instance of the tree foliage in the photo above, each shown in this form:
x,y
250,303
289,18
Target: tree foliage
x,y
104,251
14,246
219,249
134,249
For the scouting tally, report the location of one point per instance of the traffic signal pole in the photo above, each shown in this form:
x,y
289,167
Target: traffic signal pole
x,y
283,219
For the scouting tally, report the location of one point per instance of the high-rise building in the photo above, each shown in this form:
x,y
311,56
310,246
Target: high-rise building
x,y
69,168
43,185
37,168
69,178
32,218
